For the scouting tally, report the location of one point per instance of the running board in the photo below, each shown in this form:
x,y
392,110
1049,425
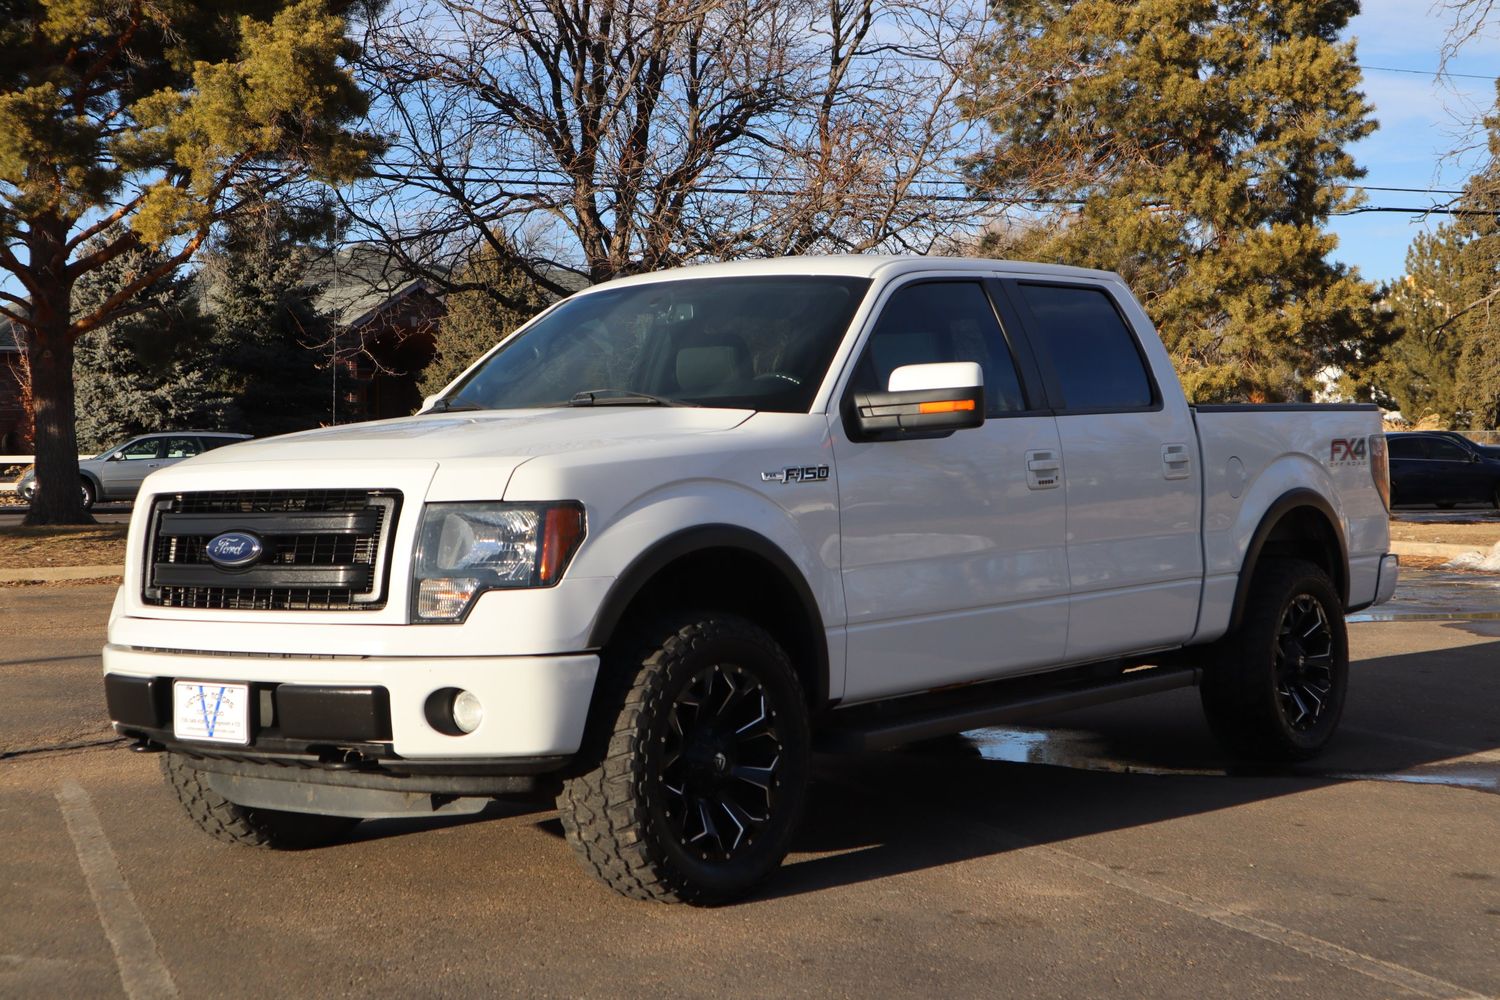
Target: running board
x,y
923,717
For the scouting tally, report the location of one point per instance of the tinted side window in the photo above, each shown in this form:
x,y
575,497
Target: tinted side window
x,y
1406,448
1092,351
936,322
1447,451
210,443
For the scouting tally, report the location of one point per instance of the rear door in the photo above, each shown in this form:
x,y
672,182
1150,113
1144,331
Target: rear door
x,y
1408,457
953,549
1130,471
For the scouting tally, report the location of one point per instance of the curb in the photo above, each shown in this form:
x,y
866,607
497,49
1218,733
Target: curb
x,y
1435,550
50,573
1446,550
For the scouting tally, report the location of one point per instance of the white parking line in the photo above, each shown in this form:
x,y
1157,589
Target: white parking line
x,y
1368,965
1418,983
142,972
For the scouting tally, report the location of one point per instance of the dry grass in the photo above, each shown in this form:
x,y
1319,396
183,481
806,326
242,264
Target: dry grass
x,y
81,545
1481,534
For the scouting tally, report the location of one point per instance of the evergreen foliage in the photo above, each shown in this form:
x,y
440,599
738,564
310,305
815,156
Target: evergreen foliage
x,y
1198,148
148,371
1446,364
271,349
475,321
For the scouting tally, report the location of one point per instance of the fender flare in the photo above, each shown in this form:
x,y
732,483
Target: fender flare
x,y
629,584
1283,505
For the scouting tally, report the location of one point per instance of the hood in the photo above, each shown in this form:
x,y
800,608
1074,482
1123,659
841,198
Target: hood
x,y
519,434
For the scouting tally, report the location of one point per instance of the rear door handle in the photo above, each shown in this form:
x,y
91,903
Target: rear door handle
x,y
1176,461
1043,470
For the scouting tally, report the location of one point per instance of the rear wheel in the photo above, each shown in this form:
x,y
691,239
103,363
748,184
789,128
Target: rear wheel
x,y
701,758
1277,688
232,823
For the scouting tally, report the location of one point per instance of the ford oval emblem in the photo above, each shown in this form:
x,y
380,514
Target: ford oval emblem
x,y
233,549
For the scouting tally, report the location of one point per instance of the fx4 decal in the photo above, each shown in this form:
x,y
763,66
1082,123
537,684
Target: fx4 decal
x,y
796,474
1348,451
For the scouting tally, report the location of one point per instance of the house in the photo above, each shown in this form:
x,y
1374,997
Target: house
x,y
386,325
13,416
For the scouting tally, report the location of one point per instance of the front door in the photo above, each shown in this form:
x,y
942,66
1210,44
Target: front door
x,y
954,556
121,476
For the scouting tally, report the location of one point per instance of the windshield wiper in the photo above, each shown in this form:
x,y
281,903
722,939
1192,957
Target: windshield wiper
x,y
620,397
444,406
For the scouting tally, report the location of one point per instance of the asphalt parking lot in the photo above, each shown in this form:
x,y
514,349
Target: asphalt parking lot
x,y
1117,854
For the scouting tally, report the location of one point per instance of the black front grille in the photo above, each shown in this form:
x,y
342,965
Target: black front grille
x,y
323,550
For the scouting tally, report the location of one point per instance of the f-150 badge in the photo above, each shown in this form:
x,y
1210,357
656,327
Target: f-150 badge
x,y
796,474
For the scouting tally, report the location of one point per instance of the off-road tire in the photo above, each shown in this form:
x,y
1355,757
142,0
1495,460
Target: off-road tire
x,y
231,823
618,814
1240,684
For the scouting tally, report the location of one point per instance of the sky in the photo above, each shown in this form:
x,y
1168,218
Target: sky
x,y
1421,120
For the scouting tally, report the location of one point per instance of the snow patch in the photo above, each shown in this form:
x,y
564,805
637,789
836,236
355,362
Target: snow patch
x,y
1488,562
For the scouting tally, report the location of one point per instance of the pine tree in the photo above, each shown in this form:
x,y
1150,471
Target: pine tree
x,y
148,371
1446,364
477,320
1198,148
271,346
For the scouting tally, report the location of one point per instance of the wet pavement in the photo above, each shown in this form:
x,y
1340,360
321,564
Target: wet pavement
x,y
1464,601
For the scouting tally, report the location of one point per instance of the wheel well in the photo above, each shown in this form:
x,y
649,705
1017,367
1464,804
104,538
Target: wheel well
x,y
740,582
1296,529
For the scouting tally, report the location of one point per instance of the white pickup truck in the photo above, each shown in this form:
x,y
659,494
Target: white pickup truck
x,y
682,529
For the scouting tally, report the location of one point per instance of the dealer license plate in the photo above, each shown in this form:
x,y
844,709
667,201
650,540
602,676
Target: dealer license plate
x,y
215,713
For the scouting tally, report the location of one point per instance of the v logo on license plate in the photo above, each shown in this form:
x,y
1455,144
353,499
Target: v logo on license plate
x,y
210,722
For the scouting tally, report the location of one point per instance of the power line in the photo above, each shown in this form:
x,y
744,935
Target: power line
x,y
1428,72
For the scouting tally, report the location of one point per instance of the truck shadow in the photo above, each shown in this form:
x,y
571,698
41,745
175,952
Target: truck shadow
x,y
881,815
1410,718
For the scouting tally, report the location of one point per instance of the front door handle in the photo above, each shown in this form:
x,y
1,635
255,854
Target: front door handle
x,y
1176,461
1043,470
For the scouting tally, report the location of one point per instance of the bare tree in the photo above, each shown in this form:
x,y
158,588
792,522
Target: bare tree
x,y
578,140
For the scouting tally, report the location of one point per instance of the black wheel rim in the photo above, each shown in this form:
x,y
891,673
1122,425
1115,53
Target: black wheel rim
x,y
1304,663
720,763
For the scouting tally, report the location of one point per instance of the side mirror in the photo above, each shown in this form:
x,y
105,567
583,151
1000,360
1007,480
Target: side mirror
x,y
117,456
921,401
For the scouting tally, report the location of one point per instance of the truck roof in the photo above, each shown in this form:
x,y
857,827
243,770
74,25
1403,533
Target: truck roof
x,y
856,265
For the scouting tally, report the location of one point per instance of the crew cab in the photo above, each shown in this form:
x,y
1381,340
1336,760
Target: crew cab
x,y
682,529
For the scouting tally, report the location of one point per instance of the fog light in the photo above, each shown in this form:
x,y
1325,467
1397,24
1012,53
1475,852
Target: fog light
x,y
467,712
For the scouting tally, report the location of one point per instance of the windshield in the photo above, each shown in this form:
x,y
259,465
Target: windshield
x,y
761,343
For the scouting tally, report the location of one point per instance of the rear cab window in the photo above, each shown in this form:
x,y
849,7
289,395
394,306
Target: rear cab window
x,y
1090,358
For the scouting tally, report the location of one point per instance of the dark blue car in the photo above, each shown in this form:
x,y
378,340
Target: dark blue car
x,y
1441,468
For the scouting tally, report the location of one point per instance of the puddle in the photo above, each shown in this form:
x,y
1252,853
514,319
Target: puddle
x,y
1457,779
1436,595
1085,751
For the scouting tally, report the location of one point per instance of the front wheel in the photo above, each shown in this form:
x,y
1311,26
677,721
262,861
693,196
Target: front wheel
x,y
86,494
232,823
700,764
1276,691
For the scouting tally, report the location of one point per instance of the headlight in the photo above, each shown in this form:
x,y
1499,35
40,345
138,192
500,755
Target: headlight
x,y
464,549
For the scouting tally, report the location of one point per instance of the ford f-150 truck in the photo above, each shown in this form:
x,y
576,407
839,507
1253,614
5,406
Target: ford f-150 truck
x,y
683,529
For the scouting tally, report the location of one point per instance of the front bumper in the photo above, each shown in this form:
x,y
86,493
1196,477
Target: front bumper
x,y
535,707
